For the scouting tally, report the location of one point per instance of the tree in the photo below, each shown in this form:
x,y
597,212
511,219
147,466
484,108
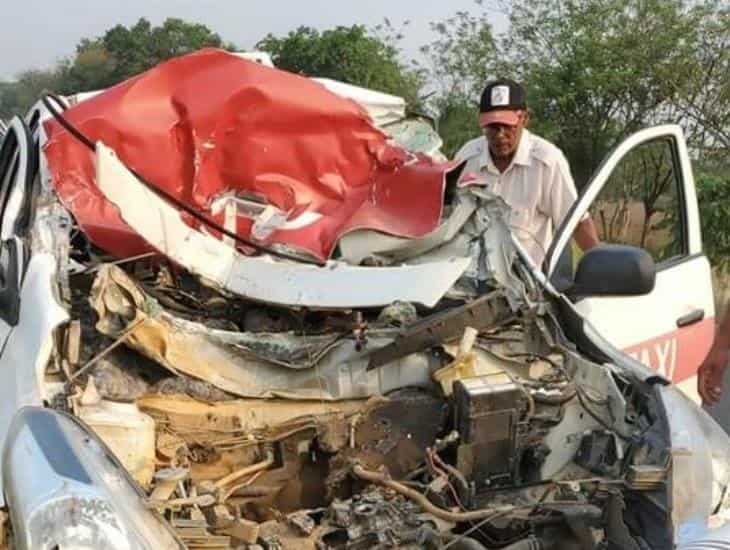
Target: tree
x,y
457,121
135,49
101,62
349,54
458,63
8,99
92,68
713,197
704,99
16,97
123,52
462,57
597,70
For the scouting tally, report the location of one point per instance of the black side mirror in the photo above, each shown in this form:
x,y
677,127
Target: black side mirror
x,y
614,270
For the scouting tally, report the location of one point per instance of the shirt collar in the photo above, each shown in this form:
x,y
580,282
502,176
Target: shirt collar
x,y
522,155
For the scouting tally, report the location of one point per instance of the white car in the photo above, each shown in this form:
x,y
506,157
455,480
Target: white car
x,y
426,392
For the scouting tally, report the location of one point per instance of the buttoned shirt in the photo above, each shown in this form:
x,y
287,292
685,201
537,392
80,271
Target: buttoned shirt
x,y
537,185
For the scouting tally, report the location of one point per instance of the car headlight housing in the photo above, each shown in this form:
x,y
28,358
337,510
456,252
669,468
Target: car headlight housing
x,y
65,489
700,471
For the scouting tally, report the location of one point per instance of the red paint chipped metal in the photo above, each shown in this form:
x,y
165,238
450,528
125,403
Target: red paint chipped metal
x,y
211,124
677,354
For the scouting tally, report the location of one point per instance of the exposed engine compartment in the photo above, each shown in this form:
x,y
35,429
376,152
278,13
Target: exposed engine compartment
x,y
504,436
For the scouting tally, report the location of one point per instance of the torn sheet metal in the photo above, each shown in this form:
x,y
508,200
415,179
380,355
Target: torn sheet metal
x,y
210,123
186,415
228,360
377,248
395,433
336,285
476,225
485,313
417,134
383,108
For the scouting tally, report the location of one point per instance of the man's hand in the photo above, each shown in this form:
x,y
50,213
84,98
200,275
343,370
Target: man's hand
x,y
586,235
710,375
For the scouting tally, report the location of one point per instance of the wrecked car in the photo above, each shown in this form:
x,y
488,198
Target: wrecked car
x,y
248,318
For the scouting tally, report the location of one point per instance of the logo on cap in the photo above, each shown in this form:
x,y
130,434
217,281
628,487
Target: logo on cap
x,y
500,96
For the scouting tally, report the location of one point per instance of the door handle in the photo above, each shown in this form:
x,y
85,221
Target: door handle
x,y
691,318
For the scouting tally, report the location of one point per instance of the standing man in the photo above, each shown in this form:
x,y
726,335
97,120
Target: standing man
x,y
531,174
711,373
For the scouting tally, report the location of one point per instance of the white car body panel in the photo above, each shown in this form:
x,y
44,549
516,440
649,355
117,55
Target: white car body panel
x,y
383,108
27,347
646,327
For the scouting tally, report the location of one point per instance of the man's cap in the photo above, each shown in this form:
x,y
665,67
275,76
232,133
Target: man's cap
x,y
501,99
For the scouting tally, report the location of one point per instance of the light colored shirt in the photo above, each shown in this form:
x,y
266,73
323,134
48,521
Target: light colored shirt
x,y
537,185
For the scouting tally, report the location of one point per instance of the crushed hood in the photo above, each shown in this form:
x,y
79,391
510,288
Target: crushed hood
x,y
275,157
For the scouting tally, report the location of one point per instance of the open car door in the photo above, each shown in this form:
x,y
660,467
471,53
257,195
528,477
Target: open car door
x,y
643,195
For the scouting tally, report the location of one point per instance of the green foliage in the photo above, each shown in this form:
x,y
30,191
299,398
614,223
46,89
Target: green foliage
x,y
458,122
461,58
350,54
458,62
596,70
713,196
16,97
91,69
703,87
7,99
101,62
135,49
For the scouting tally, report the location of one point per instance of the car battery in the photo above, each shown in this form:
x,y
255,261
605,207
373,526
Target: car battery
x,y
487,413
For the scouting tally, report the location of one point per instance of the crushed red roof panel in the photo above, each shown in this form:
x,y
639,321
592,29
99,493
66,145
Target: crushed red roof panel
x,y
211,124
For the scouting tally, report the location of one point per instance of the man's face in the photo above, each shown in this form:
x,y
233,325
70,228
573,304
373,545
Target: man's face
x,y
504,139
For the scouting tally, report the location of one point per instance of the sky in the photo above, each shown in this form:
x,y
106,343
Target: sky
x,y
37,33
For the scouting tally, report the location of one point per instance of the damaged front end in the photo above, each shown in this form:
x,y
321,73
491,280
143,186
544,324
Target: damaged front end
x,y
416,391
393,427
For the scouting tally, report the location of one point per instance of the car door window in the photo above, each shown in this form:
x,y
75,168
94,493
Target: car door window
x,y
9,198
9,165
641,202
18,171
17,165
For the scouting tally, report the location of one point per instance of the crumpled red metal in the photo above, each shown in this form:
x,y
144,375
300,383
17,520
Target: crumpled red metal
x,y
211,124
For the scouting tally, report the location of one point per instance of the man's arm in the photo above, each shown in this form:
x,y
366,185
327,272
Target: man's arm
x,y
710,374
561,197
586,235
